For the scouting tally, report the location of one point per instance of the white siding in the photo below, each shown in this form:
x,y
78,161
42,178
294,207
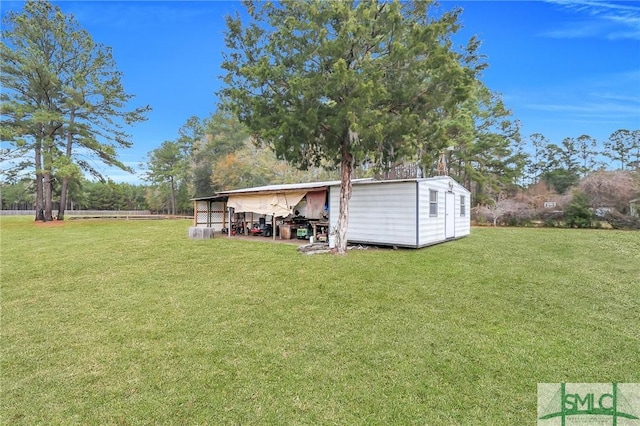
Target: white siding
x,y
463,223
397,212
431,229
379,213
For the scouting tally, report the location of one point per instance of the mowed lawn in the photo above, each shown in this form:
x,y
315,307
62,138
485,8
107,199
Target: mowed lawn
x,y
130,322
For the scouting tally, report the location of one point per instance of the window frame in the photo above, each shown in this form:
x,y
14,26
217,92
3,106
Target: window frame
x,y
463,205
433,204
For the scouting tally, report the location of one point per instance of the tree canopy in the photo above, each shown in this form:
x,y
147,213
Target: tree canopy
x,y
344,82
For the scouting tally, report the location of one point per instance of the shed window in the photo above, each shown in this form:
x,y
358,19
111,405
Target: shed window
x,y
463,207
433,203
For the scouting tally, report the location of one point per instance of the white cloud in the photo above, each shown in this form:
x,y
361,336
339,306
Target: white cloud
x,y
596,105
612,21
589,109
601,95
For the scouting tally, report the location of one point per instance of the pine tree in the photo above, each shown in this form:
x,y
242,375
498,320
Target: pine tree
x,y
62,91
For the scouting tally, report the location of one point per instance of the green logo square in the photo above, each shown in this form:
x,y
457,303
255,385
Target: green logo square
x,y
569,404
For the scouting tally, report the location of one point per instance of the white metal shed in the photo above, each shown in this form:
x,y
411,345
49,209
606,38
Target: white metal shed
x,y
406,213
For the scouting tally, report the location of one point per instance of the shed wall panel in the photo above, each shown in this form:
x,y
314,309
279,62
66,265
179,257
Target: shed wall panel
x,y
463,222
378,213
431,229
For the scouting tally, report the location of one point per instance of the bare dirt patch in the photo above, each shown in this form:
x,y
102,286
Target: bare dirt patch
x,y
49,224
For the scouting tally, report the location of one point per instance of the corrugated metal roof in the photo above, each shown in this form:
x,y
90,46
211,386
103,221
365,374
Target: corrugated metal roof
x,y
427,179
313,185
287,187
211,198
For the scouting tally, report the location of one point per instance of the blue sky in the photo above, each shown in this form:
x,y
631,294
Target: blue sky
x,y
565,68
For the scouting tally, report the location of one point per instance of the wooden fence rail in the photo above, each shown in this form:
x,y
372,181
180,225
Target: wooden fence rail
x,y
79,213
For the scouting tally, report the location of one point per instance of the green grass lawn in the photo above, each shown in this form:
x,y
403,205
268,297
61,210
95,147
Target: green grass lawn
x,y
130,322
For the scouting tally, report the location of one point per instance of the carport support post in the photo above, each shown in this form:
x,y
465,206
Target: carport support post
x,y
224,207
273,226
229,227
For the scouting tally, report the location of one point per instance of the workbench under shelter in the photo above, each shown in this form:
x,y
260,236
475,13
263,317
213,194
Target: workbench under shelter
x,y
279,211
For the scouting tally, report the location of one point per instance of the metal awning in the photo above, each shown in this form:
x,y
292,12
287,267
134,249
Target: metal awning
x,y
211,198
282,188
271,203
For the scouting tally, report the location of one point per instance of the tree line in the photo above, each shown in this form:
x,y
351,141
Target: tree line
x,y
217,153
83,194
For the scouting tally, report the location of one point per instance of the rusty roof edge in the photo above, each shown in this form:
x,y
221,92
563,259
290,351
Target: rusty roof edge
x,y
288,187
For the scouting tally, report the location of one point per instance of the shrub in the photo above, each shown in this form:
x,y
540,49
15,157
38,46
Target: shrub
x,y
479,218
517,219
610,189
621,221
551,219
578,214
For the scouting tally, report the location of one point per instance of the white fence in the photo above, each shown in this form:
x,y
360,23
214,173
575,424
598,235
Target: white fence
x,y
79,213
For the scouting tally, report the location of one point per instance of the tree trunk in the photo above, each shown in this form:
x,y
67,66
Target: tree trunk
x,y
48,195
39,187
346,172
173,196
47,179
63,198
65,179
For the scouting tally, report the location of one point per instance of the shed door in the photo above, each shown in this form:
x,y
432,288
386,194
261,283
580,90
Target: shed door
x,y
450,217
